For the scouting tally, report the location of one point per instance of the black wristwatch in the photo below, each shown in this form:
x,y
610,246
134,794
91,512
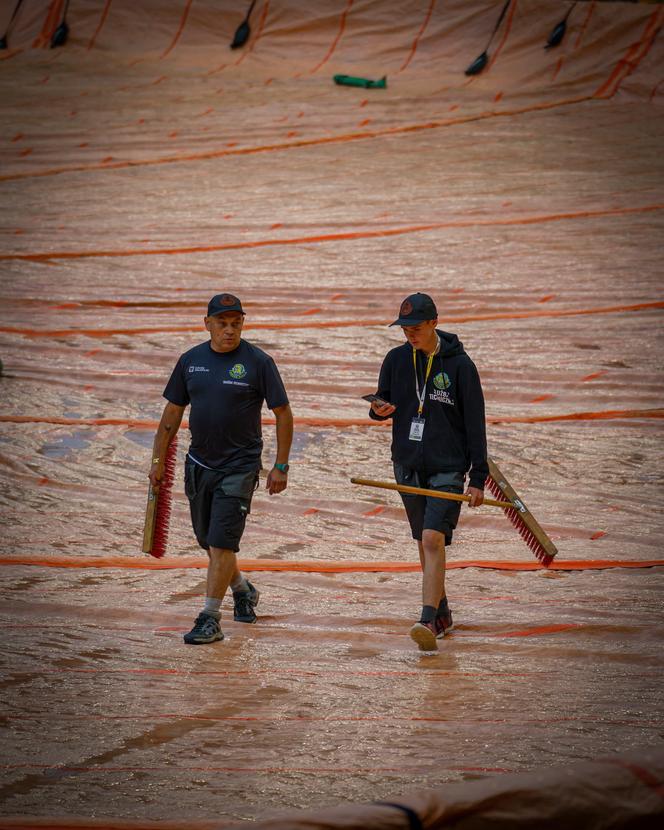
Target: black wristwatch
x,y
283,468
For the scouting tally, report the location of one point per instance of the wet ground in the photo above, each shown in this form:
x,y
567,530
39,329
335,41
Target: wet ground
x,y
536,227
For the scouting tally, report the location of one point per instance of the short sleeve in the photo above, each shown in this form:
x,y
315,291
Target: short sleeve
x,y
176,388
273,386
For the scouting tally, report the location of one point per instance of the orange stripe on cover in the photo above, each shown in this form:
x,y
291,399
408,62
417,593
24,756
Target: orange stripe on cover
x,y
557,69
609,415
312,142
183,21
335,42
52,19
506,33
655,89
104,15
631,59
317,421
584,25
342,237
413,48
537,630
10,53
141,563
642,774
330,324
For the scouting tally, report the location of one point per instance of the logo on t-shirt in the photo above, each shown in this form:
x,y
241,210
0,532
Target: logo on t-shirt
x,y
198,369
238,371
442,381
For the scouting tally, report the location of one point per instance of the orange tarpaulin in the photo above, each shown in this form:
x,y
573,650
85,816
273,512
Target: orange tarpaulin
x,y
146,166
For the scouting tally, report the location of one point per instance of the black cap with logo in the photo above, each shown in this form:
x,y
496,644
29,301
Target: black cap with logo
x,y
221,303
415,309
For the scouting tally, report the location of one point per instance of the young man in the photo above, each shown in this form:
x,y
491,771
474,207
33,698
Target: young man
x,y
226,379
432,391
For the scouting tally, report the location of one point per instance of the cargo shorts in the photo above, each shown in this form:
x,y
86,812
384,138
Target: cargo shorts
x,y
219,503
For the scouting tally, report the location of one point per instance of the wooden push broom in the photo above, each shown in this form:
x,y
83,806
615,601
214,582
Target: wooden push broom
x,y
522,519
506,497
158,511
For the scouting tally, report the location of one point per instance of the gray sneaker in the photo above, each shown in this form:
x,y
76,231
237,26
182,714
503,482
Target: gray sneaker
x,y
206,630
244,603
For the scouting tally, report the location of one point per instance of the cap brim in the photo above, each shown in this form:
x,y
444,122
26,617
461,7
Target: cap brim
x,y
409,321
227,311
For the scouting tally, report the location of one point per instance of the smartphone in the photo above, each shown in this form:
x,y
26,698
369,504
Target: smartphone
x,y
374,398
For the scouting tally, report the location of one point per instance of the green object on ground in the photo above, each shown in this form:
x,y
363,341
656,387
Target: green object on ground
x,y
365,83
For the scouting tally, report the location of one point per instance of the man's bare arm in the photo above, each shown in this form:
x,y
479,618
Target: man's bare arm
x,y
171,419
276,480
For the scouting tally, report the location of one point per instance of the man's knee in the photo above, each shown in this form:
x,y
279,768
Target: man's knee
x,y
219,554
433,543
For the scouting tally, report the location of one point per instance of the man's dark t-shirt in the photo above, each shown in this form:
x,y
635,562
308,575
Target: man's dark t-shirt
x,y
226,391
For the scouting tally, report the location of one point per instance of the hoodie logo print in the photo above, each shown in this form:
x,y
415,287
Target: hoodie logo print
x,y
442,381
440,393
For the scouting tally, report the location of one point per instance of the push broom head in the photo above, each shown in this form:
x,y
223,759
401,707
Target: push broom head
x,y
158,513
522,519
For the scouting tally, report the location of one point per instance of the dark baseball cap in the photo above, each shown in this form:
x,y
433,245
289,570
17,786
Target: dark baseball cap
x,y
416,308
221,303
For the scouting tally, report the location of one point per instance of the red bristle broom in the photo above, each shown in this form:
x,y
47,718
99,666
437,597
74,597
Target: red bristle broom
x,y
158,511
522,519
507,498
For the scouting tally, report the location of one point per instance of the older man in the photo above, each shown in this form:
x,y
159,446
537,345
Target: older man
x,y
226,379
431,390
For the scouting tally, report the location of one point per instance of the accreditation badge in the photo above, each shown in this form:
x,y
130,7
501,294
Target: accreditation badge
x,y
416,429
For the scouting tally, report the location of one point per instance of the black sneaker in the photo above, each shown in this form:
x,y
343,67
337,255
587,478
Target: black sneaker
x,y
206,630
443,624
424,634
244,603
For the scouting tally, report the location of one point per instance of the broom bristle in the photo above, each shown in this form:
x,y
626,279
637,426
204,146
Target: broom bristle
x,y
164,502
516,518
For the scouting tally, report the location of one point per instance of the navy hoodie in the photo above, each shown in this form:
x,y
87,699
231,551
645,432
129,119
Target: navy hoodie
x,y
454,430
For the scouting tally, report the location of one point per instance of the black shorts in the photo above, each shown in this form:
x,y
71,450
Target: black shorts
x,y
219,503
428,512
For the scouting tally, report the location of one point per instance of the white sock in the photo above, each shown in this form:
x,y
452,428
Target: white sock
x,y
213,607
240,584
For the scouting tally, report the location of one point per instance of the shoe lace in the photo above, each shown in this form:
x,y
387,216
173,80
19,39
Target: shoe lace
x,y
203,621
243,604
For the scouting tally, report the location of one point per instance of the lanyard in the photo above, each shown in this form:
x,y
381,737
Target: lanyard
x,y
420,395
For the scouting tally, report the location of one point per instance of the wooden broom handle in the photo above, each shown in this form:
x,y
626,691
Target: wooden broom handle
x,y
420,491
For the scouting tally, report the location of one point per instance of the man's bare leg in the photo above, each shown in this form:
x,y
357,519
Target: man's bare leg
x,y
222,568
433,567
432,559
223,572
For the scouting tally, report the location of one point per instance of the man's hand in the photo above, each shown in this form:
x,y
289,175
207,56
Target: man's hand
x,y
476,496
382,409
276,481
156,474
